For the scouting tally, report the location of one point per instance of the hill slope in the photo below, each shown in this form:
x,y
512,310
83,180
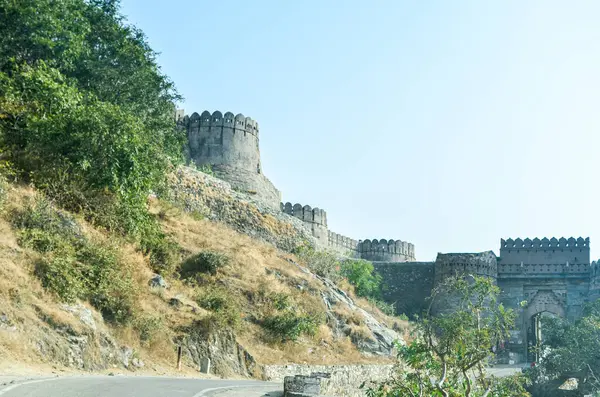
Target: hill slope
x,y
236,299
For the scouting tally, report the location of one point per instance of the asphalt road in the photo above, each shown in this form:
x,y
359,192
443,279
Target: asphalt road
x,y
122,386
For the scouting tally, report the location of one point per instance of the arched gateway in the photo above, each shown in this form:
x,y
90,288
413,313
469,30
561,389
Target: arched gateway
x,y
541,277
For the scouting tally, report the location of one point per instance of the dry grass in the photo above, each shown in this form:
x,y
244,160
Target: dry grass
x,y
256,272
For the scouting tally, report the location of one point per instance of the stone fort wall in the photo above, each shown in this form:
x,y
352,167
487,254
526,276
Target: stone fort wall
x,y
230,145
551,274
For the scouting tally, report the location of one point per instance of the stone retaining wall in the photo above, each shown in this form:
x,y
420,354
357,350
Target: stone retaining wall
x,y
345,380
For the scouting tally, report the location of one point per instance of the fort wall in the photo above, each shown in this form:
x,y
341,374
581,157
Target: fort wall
x,y
315,219
230,145
477,264
545,251
342,244
386,250
407,285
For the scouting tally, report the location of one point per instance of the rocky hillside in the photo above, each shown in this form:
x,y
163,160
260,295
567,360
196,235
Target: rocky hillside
x,y
73,296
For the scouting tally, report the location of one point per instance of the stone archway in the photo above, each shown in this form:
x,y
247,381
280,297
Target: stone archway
x,y
544,301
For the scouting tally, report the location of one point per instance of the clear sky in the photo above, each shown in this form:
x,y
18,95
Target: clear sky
x,y
448,124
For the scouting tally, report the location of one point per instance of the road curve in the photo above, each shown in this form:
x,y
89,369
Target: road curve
x,y
124,386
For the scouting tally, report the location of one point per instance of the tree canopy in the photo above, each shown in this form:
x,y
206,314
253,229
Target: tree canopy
x,y
450,351
84,107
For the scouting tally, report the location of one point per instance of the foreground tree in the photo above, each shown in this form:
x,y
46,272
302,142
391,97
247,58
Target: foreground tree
x,y
570,350
449,352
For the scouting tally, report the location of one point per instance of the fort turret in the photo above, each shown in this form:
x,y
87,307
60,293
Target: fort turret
x,y
229,144
386,250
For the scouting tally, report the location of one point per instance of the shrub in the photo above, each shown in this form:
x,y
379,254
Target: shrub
x,y
148,328
281,301
163,252
322,263
204,262
59,273
289,325
361,274
225,311
386,308
74,267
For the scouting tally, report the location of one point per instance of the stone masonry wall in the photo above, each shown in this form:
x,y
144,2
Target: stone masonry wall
x,y
230,145
406,284
344,380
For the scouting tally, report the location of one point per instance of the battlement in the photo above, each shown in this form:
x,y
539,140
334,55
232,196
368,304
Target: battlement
x,y
481,263
217,120
305,213
341,243
544,243
386,250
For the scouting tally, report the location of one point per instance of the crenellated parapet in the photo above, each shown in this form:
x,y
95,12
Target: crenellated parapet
x,y
315,219
229,144
218,120
341,243
305,213
477,264
386,250
544,243
544,256
223,140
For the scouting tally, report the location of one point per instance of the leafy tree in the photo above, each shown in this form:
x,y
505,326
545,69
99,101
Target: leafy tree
x,y
570,350
361,274
449,352
85,112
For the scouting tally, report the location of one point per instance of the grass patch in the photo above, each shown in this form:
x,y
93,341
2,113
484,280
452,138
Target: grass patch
x,y
205,262
225,312
74,266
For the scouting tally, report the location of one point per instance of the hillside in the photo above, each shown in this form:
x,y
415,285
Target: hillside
x,y
237,299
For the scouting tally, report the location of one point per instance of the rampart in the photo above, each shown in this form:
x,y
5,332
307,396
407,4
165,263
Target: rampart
x,y
342,244
314,218
230,145
386,250
407,285
544,256
477,264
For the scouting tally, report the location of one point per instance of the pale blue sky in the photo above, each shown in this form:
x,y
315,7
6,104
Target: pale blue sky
x,y
448,124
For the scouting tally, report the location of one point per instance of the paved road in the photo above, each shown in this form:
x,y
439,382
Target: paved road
x,y
123,386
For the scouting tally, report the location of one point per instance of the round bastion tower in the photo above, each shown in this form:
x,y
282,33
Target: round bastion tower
x,y
228,143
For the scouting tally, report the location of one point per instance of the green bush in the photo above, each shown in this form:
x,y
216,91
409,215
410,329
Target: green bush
x,y
322,263
148,328
386,308
225,311
60,274
289,325
74,267
164,253
361,274
204,262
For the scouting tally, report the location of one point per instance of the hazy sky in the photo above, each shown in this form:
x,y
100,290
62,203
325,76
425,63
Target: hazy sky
x,y
448,124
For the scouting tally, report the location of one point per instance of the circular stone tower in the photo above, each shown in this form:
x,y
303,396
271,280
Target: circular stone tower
x,y
229,144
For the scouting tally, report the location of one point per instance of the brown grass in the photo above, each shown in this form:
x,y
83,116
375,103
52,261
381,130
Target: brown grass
x,y
256,271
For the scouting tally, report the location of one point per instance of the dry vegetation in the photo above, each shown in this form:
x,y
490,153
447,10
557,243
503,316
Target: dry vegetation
x,y
256,276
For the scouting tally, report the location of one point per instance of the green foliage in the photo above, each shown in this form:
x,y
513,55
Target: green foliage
x,y
86,114
322,263
148,327
225,311
203,262
449,352
361,274
386,308
570,350
73,266
289,325
207,169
